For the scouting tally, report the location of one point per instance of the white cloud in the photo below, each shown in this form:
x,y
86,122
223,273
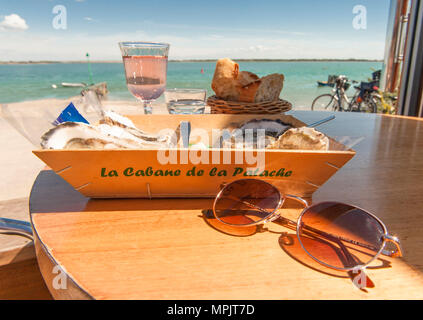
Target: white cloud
x,y
90,19
13,22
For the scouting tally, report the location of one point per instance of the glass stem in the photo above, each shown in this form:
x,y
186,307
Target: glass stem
x,y
147,107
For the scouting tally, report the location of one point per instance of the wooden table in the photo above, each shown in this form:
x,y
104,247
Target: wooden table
x,y
169,249
20,277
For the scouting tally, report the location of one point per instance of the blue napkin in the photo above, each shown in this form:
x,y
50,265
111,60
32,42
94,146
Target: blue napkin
x,y
70,114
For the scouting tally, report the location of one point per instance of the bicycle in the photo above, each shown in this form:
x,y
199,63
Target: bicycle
x,y
336,100
366,98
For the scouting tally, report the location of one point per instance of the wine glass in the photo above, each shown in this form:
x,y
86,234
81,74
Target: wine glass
x,y
145,70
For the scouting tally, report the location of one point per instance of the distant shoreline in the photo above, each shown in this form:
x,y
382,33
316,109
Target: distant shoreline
x,y
194,60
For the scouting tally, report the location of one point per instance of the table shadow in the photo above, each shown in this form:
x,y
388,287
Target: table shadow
x,y
227,229
290,244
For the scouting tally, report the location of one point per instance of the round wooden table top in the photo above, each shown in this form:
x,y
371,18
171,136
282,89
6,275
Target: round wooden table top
x,y
173,249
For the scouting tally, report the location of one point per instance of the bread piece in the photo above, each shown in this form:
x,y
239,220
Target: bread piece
x,y
233,85
246,77
264,89
303,138
248,93
224,82
270,88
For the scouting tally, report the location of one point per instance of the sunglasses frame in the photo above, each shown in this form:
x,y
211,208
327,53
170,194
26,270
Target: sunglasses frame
x,y
275,215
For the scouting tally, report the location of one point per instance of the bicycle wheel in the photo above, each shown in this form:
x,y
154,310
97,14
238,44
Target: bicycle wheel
x,y
345,103
352,101
324,102
354,105
378,104
369,106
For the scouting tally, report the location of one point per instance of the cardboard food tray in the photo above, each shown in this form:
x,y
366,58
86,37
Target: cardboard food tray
x,y
128,173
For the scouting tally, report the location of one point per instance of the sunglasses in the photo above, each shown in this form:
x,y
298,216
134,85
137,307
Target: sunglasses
x,y
337,235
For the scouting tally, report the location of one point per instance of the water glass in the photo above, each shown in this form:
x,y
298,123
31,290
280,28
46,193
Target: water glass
x,y
185,101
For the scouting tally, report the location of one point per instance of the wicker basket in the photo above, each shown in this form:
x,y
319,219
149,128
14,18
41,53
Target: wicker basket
x,y
234,107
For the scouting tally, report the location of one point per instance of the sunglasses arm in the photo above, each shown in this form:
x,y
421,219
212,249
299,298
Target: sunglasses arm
x,y
392,253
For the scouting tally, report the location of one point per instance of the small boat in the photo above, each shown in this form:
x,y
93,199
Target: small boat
x,y
325,84
329,83
73,85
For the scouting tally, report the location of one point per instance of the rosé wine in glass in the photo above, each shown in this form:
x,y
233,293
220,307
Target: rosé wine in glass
x,y
145,76
145,70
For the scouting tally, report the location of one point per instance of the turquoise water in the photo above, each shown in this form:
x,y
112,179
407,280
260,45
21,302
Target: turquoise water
x,y
33,81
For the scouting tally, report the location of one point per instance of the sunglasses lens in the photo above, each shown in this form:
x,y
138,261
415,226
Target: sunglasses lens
x,y
245,202
340,235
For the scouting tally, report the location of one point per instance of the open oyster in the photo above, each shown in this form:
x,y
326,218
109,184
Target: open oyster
x,y
273,128
121,124
123,128
256,133
113,132
70,135
303,138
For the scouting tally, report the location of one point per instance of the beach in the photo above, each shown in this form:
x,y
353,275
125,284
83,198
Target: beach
x,y
19,166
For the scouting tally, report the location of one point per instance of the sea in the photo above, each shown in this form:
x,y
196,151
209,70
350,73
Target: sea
x,y
23,82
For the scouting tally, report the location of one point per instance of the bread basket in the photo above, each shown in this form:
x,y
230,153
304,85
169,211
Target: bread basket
x,y
218,105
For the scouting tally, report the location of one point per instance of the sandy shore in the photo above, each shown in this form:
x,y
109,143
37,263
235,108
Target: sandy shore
x,y
19,166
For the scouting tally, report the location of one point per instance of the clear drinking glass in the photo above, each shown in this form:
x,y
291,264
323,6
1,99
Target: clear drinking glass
x,y
185,101
145,66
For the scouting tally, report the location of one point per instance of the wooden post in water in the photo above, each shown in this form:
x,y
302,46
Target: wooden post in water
x,y
89,69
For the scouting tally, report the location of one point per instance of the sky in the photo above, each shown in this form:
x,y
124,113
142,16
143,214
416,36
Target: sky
x,y
242,29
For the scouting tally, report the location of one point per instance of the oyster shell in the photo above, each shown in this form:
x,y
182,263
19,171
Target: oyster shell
x,y
247,135
122,133
114,120
113,132
273,128
303,138
91,143
80,135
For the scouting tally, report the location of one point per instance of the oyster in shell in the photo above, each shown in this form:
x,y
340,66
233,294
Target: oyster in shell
x,y
123,128
273,128
248,134
113,132
91,143
71,135
114,119
303,138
